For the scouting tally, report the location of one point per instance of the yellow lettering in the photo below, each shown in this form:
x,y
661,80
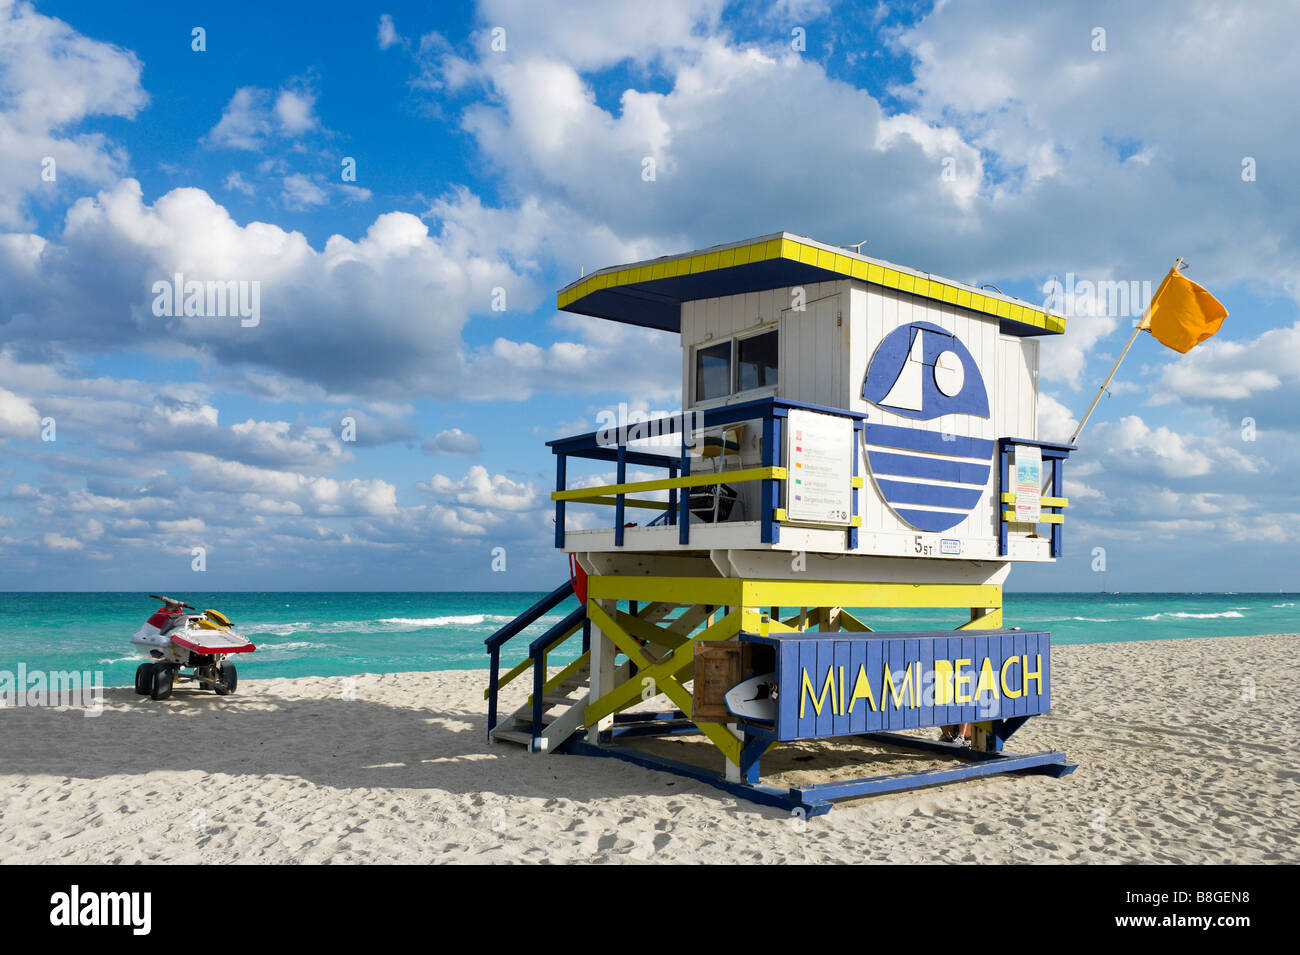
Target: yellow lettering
x,y
862,690
962,681
1035,675
806,693
1009,693
987,681
890,688
942,682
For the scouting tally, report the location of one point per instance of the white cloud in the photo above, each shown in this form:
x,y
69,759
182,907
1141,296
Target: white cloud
x,y
254,114
454,441
246,120
51,79
59,542
1055,421
295,111
479,489
18,419
300,192
387,35
592,34
1235,371
235,182
1134,447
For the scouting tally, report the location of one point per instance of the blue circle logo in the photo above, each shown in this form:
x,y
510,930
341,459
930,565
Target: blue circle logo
x,y
931,479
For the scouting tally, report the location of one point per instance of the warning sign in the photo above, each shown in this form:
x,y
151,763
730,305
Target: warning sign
x,y
819,453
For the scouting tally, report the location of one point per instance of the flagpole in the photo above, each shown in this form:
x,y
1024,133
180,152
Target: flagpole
x,y
1142,323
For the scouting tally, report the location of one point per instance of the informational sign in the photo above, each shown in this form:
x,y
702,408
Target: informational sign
x,y
862,683
1028,467
819,453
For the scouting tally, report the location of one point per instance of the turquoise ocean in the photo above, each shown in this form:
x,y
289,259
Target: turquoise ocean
x,y
334,634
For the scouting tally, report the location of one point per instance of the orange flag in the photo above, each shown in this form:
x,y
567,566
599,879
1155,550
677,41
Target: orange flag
x,y
1182,314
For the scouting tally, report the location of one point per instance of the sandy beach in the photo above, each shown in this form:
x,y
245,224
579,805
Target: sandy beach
x,y
1177,764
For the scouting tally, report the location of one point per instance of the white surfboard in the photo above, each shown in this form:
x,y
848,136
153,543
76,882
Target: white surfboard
x,y
755,699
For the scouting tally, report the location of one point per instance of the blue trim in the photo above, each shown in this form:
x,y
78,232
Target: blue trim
x,y
933,495
750,754
815,799
529,616
584,444
1053,453
891,360
494,685
1004,544
1058,487
916,439
771,410
570,620
770,530
619,508
539,681
684,505
936,469
1052,762
933,521
853,494
763,795
561,470
671,513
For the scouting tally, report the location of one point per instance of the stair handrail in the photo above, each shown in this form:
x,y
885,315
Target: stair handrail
x,y
530,616
540,649
513,629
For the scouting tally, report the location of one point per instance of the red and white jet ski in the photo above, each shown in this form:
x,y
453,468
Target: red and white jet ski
x,y
174,640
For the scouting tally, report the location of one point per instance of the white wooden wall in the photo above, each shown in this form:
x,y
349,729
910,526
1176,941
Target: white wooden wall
x,y
824,354
812,347
1016,405
876,312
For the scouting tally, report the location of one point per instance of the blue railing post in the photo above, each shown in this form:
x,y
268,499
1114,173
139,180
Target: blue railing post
x,y
684,505
1058,490
853,493
539,681
560,482
1003,544
770,533
619,508
493,677
672,496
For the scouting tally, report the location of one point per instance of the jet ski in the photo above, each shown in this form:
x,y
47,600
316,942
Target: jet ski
x,y
176,638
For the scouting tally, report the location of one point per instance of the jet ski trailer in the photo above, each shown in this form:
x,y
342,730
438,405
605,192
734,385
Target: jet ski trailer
x,y
177,638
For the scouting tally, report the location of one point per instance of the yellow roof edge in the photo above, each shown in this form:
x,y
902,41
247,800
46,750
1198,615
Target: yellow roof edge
x,y
786,245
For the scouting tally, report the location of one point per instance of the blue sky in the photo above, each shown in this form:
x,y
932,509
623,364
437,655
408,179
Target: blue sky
x,y
1100,156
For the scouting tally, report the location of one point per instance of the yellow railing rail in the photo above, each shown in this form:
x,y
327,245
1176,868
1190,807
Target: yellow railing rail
x,y
595,495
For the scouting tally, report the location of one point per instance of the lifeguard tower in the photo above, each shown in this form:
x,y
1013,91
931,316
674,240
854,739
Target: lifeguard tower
x,y
854,434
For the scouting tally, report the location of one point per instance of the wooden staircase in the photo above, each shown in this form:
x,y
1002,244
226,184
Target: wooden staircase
x,y
561,716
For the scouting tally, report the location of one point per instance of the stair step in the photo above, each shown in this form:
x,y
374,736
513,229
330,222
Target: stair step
x,y
527,720
558,698
513,736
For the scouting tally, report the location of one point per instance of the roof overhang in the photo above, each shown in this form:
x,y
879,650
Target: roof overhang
x,y
650,293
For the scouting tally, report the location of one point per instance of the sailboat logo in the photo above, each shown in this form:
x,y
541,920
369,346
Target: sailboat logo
x,y
932,480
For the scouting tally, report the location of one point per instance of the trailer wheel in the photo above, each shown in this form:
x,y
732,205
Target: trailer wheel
x,y
143,678
161,687
227,679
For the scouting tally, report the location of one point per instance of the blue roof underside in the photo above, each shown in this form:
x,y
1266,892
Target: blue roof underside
x,y
657,304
